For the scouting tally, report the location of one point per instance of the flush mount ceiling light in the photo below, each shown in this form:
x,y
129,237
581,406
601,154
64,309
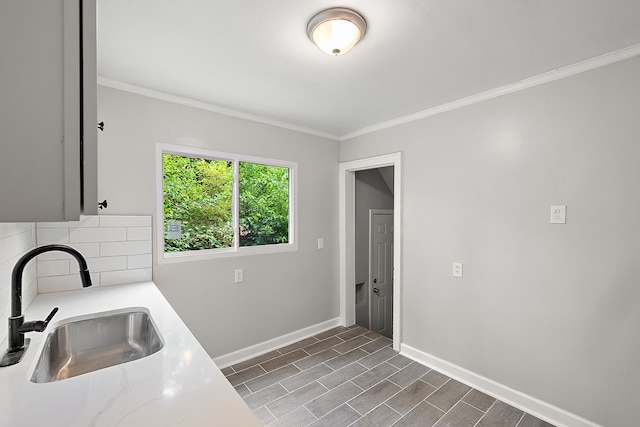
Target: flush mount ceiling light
x,y
336,30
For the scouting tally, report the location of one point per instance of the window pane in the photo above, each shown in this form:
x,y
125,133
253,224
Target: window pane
x,y
264,204
197,203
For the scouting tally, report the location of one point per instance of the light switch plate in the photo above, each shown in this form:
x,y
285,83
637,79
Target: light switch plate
x,y
559,214
320,242
239,275
457,269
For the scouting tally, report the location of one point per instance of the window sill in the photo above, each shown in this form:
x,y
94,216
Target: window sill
x,y
177,257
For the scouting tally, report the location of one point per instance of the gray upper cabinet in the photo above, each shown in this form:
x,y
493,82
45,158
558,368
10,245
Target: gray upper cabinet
x,y
48,108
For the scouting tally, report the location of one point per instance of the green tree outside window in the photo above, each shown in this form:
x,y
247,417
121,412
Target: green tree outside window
x,y
198,196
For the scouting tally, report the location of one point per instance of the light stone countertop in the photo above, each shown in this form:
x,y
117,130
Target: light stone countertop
x,y
177,386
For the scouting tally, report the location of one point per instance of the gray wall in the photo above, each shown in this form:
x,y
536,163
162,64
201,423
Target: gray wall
x,y
552,311
281,293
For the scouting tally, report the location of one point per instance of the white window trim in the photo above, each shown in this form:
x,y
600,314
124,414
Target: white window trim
x,y
174,257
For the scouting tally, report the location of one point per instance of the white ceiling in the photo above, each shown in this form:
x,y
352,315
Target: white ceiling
x,y
254,56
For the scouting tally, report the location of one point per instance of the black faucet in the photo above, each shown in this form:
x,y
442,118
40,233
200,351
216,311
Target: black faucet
x,y
17,326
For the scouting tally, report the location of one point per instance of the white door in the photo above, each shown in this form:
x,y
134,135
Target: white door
x,y
381,271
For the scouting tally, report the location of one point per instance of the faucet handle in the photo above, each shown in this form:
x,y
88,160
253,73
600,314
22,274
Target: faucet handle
x,y
38,325
50,316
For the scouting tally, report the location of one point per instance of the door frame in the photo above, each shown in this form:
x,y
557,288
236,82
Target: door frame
x,y
346,223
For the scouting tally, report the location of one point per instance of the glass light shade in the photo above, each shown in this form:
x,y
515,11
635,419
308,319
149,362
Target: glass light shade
x,y
336,31
336,37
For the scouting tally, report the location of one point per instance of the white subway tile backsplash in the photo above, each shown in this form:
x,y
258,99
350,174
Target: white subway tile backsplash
x,y
46,236
53,268
88,250
6,250
139,261
97,265
10,228
29,284
91,234
117,249
64,283
125,248
126,276
15,245
13,248
5,291
5,297
6,268
29,290
124,221
56,283
138,233
5,281
85,221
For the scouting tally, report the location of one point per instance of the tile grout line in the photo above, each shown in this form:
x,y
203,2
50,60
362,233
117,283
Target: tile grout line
x,y
376,407
356,411
329,391
475,407
521,418
270,413
422,401
316,380
297,407
483,415
417,404
471,406
332,410
456,402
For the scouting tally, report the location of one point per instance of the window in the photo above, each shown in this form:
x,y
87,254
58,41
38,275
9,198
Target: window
x,y
219,204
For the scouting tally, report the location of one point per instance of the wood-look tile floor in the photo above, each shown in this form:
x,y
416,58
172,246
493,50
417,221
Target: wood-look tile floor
x,y
352,377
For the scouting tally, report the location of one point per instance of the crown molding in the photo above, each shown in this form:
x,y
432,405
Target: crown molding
x,y
139,90
557,74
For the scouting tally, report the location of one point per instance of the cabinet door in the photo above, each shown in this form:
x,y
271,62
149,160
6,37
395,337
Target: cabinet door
x,y
89,192
40,87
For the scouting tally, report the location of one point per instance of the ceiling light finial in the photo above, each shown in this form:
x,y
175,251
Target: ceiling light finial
x,y
335,31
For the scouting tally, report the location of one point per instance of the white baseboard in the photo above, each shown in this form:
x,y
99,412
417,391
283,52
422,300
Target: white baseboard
x,y
533,406
272,344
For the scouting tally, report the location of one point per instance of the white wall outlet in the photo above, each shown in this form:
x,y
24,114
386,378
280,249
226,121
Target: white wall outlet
x,y
457,269
559,214
239,275
320,242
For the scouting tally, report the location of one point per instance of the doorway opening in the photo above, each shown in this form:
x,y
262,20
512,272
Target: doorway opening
x,y
374,249
356,276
